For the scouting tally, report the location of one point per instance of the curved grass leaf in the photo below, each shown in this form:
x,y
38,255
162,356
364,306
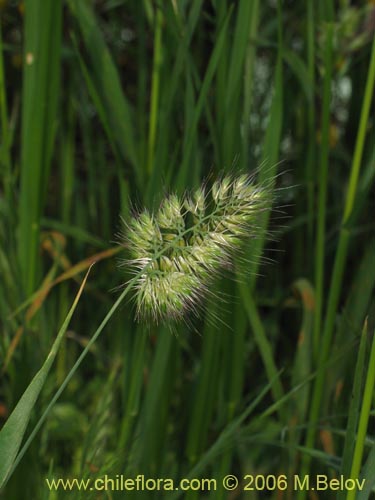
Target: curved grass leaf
x,y
14,429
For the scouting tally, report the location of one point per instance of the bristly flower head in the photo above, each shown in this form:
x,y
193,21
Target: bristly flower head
x,y
176,252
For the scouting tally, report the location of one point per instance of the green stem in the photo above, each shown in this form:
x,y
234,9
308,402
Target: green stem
x,y
155,86
4,126
264,347
339,266
323,181
41,81
354,408
132,407
311,121
363,419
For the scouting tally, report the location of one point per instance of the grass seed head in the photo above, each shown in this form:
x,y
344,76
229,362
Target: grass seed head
x,y
177,252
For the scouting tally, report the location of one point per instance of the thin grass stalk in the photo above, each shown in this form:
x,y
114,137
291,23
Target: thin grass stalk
x,y
270,155
237,366
221,73
364,418
248,82
224,440
311,125
5,166
67,179
135,389
105,87
13,431
232,105
236,343
327,10
323,184
339,265
144,452
350,435
168,100
142,85
205,397
155,89
192,131
203,406
241,63
264,347
69,376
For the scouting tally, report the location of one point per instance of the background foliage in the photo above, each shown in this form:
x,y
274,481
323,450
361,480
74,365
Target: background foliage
x,y
108,105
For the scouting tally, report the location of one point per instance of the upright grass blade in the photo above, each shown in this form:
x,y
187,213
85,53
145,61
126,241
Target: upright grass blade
x,y
135,389
39,98
359,297
311,153
106,82
270,157
205,391
224,440
230,97
302,361
340,260
144,453
5,161
248,81
323,185
155,88
12,433
264,347
368,396
185,169
235,350
41,75
354,409
368,475
70,374
169,98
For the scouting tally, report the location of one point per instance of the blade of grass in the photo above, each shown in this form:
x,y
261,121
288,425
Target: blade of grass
x,y
168,98
323,184
363,418
368,475
248,81
224,439
41,76
230,105
354,409
145,453
12,433
113,104
155,88
264,346
235,358
302,360
340,259
5,163
185,169
135,389
204,399
270,155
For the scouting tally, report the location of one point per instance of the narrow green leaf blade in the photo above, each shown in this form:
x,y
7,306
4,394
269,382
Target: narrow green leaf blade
x,y
14,429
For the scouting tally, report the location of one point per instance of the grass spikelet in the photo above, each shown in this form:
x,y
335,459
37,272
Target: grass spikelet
x,y
178,251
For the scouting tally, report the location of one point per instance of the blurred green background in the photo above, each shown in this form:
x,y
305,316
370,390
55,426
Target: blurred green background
x,y
105,107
